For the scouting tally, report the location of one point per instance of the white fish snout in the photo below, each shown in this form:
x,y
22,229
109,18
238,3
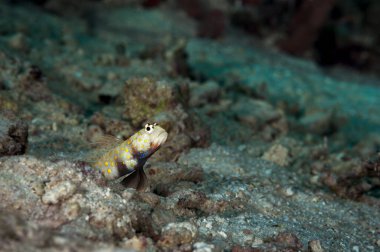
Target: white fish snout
x,y
161,138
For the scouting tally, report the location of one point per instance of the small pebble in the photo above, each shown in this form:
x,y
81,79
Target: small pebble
x,y
72,211
242,147
54,126
178,233
59,192
315,246
257,242
135,243
19,42
371,248
203,247
221,233
277,154
314,179
289,192
38,188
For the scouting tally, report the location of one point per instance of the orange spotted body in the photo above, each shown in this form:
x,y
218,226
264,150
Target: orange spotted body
x,y
128,158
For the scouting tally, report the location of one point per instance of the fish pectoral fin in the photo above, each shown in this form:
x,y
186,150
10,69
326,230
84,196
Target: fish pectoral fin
x,y
123,172
137,180
143,183
131,180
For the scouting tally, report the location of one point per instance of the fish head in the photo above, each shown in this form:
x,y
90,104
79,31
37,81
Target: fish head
x,y
149,139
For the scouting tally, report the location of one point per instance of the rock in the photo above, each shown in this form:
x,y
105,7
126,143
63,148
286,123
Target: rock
x,y
293,82
61,212
204,93
257,242
256,113
260,115
110,126
15,229
13,137
175,234
108,92
150,198
238,248
320,123
176,56
203,247
58,192
111,221
19,42
165,174
367,146
288,240
72,211
8,105
314,246
353,178
134,243
198,201
33,86
145,97
277,154
288,192
19,182
139,244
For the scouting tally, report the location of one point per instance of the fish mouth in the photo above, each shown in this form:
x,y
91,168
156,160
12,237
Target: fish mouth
x,y
159,140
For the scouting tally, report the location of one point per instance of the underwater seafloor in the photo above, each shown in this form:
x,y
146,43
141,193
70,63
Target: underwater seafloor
x,y
265,152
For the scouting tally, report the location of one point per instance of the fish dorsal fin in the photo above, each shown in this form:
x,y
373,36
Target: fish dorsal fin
x,y
106,142
102,145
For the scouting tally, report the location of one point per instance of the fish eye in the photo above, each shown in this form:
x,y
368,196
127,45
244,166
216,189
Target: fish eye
x,y
149,128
